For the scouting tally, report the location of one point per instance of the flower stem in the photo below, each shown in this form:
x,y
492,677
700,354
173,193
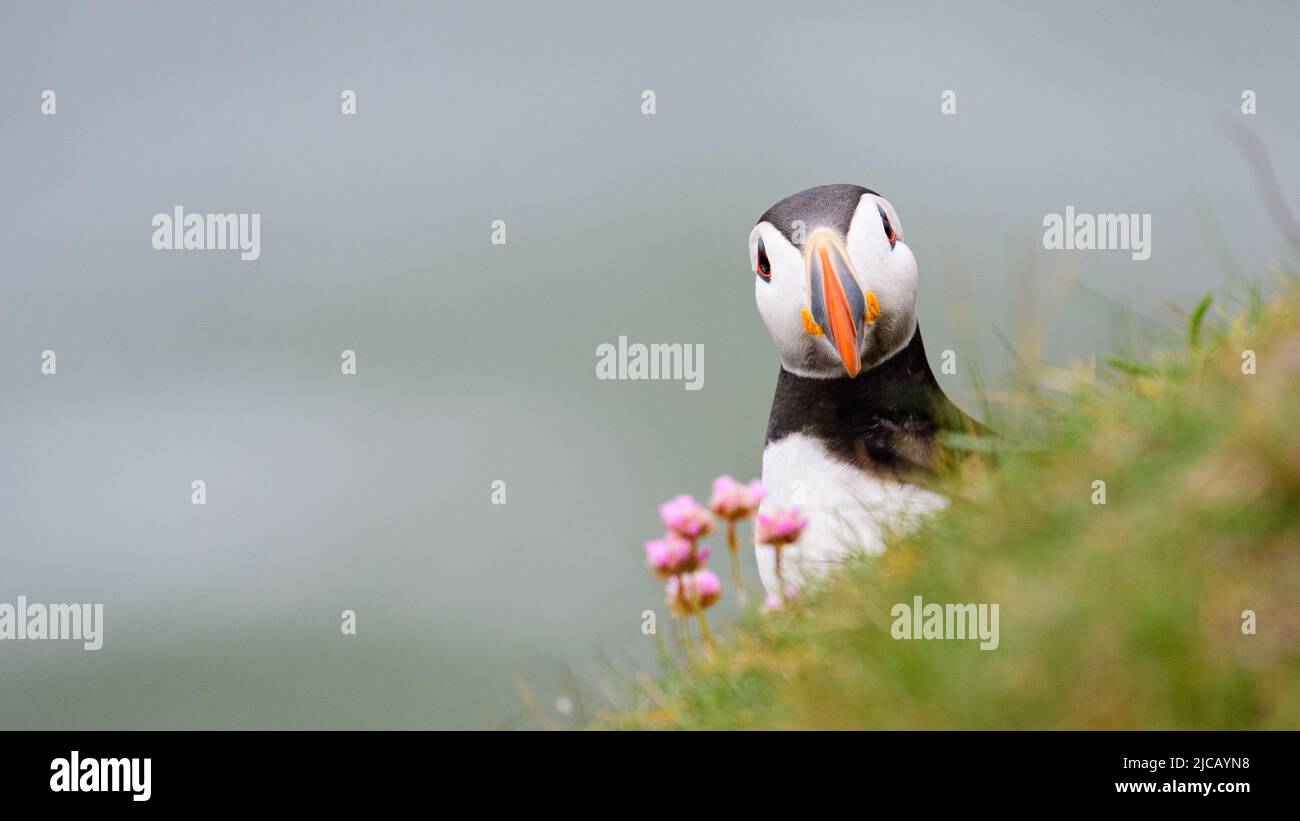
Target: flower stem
x,y
684,633
705,634
735,559
779,580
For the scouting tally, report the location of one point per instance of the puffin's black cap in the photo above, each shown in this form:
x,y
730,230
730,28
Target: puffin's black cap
x,y
826,206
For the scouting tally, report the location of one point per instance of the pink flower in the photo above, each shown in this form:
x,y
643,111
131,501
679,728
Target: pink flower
x,y
693,591
707,586
773,603
780,528
732,500
684,516
672,555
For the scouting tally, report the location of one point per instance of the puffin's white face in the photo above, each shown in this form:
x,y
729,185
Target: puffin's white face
x,y
834,304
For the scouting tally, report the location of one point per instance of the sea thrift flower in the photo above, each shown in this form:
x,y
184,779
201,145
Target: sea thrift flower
x,y
732,500
693,592
708,588
772,603
780,528
672,555
684,516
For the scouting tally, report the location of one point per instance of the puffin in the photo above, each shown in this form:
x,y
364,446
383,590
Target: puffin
x,y
854,434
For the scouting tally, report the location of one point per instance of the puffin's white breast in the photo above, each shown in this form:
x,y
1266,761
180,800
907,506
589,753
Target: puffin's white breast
x,y
849,511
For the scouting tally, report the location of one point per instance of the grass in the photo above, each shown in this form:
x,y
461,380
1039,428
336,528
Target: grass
x,y
1127,614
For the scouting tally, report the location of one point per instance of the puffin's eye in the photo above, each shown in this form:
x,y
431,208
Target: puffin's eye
x,y
764,266
889,229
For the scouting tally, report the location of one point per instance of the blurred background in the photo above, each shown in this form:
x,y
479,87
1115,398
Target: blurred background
x,y
476,362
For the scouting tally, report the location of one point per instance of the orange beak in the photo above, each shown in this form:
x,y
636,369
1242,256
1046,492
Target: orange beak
x,y
838,302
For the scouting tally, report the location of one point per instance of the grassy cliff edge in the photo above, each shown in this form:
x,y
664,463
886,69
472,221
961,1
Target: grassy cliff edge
x,y
1127,614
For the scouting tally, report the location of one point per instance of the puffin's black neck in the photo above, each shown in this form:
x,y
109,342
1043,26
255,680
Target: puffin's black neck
x,y
885,420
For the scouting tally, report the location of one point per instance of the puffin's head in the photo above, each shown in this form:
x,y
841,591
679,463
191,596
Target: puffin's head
x,y
836,285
